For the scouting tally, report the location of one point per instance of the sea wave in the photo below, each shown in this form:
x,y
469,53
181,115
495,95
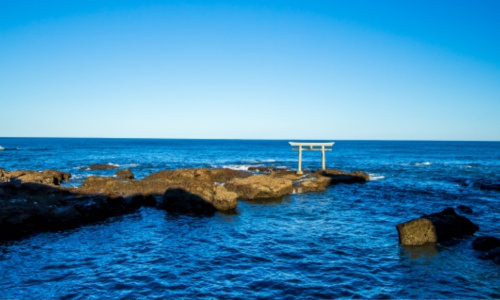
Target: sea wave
x,y
375,177
7,149
426,163
237,167
128,165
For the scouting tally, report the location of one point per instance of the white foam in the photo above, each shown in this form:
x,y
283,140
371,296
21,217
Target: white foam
x,y
237,167
374,177
269,160
2,148
128,165
423,164
114,165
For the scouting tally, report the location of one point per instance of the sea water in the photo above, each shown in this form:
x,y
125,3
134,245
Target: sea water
x,y
341,243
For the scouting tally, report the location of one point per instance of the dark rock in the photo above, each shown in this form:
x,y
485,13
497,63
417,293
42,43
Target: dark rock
x,y
451,225
489,187
149,201
124,174
437,227
492,254
338,176
102,167
178,200
486,243
465,209
27,208
261,169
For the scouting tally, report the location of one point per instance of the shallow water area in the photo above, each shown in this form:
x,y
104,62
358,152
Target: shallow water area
x,y
341,243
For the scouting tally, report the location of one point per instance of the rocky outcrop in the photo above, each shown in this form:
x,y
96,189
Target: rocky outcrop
x,y
224,200
102,167
260,187
312,183
338,176
52,177
197,183
124,174
201,174
32,201
179,200
27,208
437,227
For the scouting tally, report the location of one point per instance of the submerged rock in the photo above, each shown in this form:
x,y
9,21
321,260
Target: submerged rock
x,y
102,167
437,227
489,186
486,243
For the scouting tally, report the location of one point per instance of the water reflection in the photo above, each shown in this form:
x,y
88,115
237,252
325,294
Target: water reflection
x,y
426,251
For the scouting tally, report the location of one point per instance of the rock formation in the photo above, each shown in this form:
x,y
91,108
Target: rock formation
x,y
32,201
52,177
436,227
124,174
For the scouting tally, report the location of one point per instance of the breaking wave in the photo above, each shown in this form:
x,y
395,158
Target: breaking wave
x,y
374,177
237,167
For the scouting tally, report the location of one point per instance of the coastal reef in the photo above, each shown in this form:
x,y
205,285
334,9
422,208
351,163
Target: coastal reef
x,y
35,201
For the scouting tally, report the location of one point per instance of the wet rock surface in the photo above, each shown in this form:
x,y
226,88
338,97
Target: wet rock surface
x,y
102,167
260,187
27,208
437,227
32,201
124,174
52,177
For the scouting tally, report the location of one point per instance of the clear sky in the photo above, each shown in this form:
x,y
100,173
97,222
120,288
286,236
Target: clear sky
x,y
397,70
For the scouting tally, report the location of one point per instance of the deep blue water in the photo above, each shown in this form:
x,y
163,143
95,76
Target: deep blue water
x,y
341,243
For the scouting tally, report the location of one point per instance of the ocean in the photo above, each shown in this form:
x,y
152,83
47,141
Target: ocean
x,y
341,243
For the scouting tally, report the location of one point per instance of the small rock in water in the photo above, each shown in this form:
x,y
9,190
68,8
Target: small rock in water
x,y
102,167
486,243
436,227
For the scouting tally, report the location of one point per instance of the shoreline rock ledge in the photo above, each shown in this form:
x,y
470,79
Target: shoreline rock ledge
x,y
434,228
32,201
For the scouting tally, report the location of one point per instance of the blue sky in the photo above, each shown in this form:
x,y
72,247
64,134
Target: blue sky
x,y
397,70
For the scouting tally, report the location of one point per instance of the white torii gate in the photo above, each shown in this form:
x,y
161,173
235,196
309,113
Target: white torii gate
x,y
311,147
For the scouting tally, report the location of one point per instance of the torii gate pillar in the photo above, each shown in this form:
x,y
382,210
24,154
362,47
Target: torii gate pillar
x,y
311,147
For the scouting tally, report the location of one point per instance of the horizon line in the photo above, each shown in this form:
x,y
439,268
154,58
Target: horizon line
x,y
246,139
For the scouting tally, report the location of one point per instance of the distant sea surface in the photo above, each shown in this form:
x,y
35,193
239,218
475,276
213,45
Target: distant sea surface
x,y
341,243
